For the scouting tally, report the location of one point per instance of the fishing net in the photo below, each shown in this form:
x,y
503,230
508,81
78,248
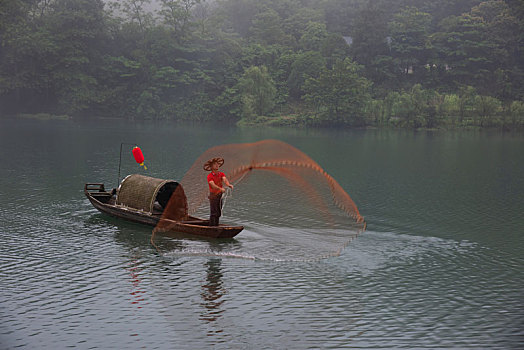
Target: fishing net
x,y
290,207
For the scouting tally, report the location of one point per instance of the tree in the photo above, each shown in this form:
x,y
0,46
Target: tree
x,y
463,52
297,23
204,59
370,40
27,48
257,92
503,31
177,15
417,107
483,48
314,36
53,55
333,48
135,12
78,27
237,15
202,17
267,29
467,100
339,94
306,65
409,34
341,15
444,8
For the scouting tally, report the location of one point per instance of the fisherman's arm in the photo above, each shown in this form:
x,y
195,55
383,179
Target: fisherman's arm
x,y
214,186
226,181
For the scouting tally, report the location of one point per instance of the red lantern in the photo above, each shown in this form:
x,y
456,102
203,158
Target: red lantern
x,y
139,157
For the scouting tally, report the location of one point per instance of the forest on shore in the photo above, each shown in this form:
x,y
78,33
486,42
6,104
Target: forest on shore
x,y
344,63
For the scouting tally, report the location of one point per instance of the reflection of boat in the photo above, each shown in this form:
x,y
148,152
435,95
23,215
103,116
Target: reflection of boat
x,y
144,199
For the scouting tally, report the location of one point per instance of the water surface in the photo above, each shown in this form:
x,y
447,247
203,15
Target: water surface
x,y
440,264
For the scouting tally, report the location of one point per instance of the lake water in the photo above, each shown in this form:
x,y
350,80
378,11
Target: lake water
x,y
441,263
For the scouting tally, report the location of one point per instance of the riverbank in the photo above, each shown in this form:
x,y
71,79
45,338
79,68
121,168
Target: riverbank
x,y
297,121
43,116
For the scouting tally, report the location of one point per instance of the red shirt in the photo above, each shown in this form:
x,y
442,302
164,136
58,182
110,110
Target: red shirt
x,y
217,179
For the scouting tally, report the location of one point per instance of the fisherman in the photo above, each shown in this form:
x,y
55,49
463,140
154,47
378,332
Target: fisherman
x,y
216,180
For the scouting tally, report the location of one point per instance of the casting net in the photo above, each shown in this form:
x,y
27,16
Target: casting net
x,y
290,207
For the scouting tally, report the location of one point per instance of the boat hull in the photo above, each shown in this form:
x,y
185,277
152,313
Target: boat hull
x,y
194,226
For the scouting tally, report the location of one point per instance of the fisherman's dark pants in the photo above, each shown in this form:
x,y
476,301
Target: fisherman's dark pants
x,y
215,206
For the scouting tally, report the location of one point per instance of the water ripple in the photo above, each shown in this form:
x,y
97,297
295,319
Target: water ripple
x,y
440,266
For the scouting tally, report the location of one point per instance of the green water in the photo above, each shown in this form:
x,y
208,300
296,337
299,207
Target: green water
x,y
441,263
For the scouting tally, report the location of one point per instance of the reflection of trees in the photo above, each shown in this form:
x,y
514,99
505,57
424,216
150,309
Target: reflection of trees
x,y
212,292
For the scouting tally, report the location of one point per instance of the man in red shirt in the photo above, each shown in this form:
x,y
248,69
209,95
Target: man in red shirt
x,y
216,179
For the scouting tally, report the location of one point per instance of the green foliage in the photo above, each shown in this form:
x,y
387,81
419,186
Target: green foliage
x,y
278,62
296,24
411,108
516,114
468,97
257,91
135,13
267,29
339,94
370,34
333,48
176,14
148,104
487,109
306,65
409,35
450,106
313,37
479,48
419,107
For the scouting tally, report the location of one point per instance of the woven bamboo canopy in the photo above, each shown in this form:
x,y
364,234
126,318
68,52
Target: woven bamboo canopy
x,y
140,192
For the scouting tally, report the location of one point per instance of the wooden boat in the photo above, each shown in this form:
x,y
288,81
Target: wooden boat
x,y
143,199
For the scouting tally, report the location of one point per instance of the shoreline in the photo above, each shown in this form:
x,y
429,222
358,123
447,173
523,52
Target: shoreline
x,y
281,122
